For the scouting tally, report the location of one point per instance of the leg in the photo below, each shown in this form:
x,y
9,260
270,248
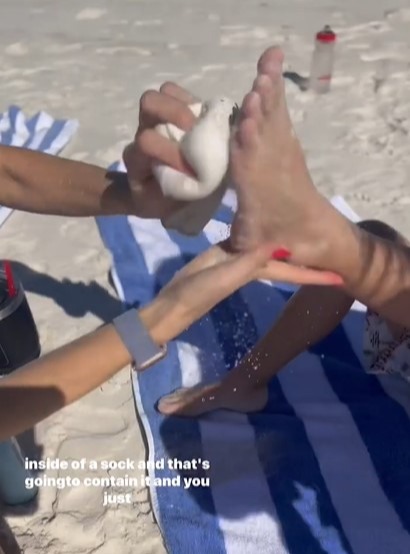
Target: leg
x,y
279,205
310,315
384,231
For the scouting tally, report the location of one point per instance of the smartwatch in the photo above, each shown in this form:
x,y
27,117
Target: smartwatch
x,y
137,340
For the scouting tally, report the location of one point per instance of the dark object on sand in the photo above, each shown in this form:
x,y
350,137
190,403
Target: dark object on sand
x,y
19,341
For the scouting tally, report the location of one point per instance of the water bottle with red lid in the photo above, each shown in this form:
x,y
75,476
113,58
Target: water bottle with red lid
x,y
323,60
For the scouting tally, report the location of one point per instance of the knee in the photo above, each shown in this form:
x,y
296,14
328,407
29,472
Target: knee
x,y
381,229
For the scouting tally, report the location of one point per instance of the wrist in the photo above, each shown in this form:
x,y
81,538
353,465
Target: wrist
x,y
159,319
144,334
117,198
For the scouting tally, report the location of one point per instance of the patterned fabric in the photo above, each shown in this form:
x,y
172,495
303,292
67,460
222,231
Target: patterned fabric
x,y
384,353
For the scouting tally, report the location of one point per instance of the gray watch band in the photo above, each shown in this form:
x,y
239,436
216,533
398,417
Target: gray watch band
x,y
137,340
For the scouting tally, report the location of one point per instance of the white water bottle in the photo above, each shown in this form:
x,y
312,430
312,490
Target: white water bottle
x,y
323,60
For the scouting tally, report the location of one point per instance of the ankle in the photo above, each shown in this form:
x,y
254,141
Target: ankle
x,y
338,243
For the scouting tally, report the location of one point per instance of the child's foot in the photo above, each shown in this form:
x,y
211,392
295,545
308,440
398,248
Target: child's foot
x,y
199,400
277,201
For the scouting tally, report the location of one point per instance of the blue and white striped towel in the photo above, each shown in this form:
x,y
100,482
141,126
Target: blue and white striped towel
x,y
40,132
324,469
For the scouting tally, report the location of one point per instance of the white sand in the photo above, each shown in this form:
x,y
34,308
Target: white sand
x,y
92,62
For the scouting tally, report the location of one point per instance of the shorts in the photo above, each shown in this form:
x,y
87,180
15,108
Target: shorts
x,y
383,353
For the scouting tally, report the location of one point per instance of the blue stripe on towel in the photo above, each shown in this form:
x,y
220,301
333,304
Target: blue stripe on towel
x,y
224,215
182,437
57,127
384,427
383,424
139,286
32,123
7,136
299,465
128,261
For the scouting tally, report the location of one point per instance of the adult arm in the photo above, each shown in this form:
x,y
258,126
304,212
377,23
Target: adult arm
x,y
43,386
37,182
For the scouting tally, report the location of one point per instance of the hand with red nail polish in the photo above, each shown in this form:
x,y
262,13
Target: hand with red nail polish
x,y
281,254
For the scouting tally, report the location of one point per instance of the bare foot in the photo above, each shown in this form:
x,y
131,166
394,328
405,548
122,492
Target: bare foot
x,y
224,395
277,201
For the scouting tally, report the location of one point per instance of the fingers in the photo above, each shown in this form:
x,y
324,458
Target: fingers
x,y
211,277
158,107
205,260
172,89
216,274
151,144
288,273
170,105
229,272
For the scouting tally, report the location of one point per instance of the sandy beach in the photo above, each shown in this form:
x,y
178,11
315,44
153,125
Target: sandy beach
x,y
91,62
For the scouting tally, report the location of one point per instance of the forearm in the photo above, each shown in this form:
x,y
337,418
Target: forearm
x,y
44,386
36,182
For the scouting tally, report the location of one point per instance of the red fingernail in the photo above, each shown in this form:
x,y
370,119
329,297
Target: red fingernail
x,y
281,254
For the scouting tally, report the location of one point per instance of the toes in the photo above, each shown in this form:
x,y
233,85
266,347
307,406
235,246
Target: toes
x,y
187,402
171,402
263,87
269,81
246,131
247,135
271,61
251,106
243,149
271,91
